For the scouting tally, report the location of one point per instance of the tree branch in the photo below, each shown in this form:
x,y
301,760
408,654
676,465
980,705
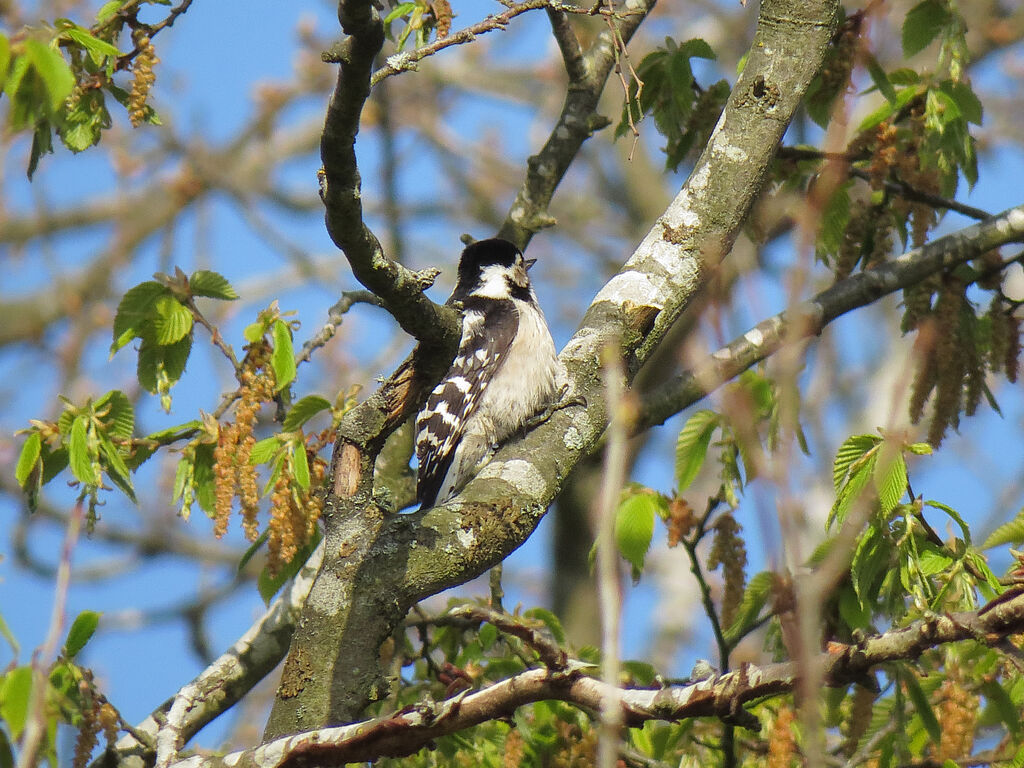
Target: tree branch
x,y
400,289
406,732
811,317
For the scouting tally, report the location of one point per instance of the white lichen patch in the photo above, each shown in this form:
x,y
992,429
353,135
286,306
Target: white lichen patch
x,y
519,473
631,286
1016,219
732,152
232,759
466,538
572,439
754,336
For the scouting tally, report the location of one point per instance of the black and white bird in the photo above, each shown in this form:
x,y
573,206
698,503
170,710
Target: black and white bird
x,y
506,371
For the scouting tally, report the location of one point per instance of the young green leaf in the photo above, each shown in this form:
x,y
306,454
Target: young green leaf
x,y
264,450
923,24
81,630
268,585
14,698
1007,533
300,466
283,358
252,550
134,311
891,482
53,69
923,707
853,449
28,458
692,446
550,621
755,597
303,411
205,282
171,320
117,414
79,453
9,636
634,529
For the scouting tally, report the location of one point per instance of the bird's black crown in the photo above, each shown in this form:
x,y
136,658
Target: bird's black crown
x,y
484,253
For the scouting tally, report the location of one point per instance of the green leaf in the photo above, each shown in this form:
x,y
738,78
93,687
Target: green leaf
x,y
300,466
98,49
755,597
14,697
923,707
252,550
891,482
268,585
966,100
550,621
119,420
108,9
5,57
283,358
304,410
264,450
923,24
853,449
634,529
171,321
78,453
692,446
398,11
28,458
205,282
116,468
1007,533
54,71
870,560
920,449
135,309
888,109
81,630
175,357
880,79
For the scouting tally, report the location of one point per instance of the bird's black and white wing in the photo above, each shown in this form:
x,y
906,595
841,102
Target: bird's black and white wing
x,y
488,329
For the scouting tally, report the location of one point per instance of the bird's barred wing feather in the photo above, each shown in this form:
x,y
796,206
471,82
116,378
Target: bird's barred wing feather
x,y
487,333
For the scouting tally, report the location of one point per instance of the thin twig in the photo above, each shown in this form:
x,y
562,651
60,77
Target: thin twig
x,y
35,725
615,462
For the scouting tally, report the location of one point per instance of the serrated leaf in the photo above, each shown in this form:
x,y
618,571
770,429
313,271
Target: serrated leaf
x,y
203,478
924,22
303,410
870,559
53,70
119,420
283,358
28,458
1007,533
755,597
890,482
81,630
205,282
550,621
692,446
634,529
108,9
171,320
134,309
264,450
78,453
116,468
852,449
923,707
98,48
300,467
966,99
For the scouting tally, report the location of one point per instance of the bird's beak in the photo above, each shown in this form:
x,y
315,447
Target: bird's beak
x,y
529,263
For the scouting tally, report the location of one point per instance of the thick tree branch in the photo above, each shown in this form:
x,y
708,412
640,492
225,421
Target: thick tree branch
x,y
809,318
400,289
723,696
221,684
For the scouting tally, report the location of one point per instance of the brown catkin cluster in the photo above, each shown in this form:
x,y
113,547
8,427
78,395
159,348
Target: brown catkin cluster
x,y
859,718
443,15
957,712
232,473
781,744
293,514
680,521
950,364
515,749
835,74
143,81
729,551
110,722
575,749
88,726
